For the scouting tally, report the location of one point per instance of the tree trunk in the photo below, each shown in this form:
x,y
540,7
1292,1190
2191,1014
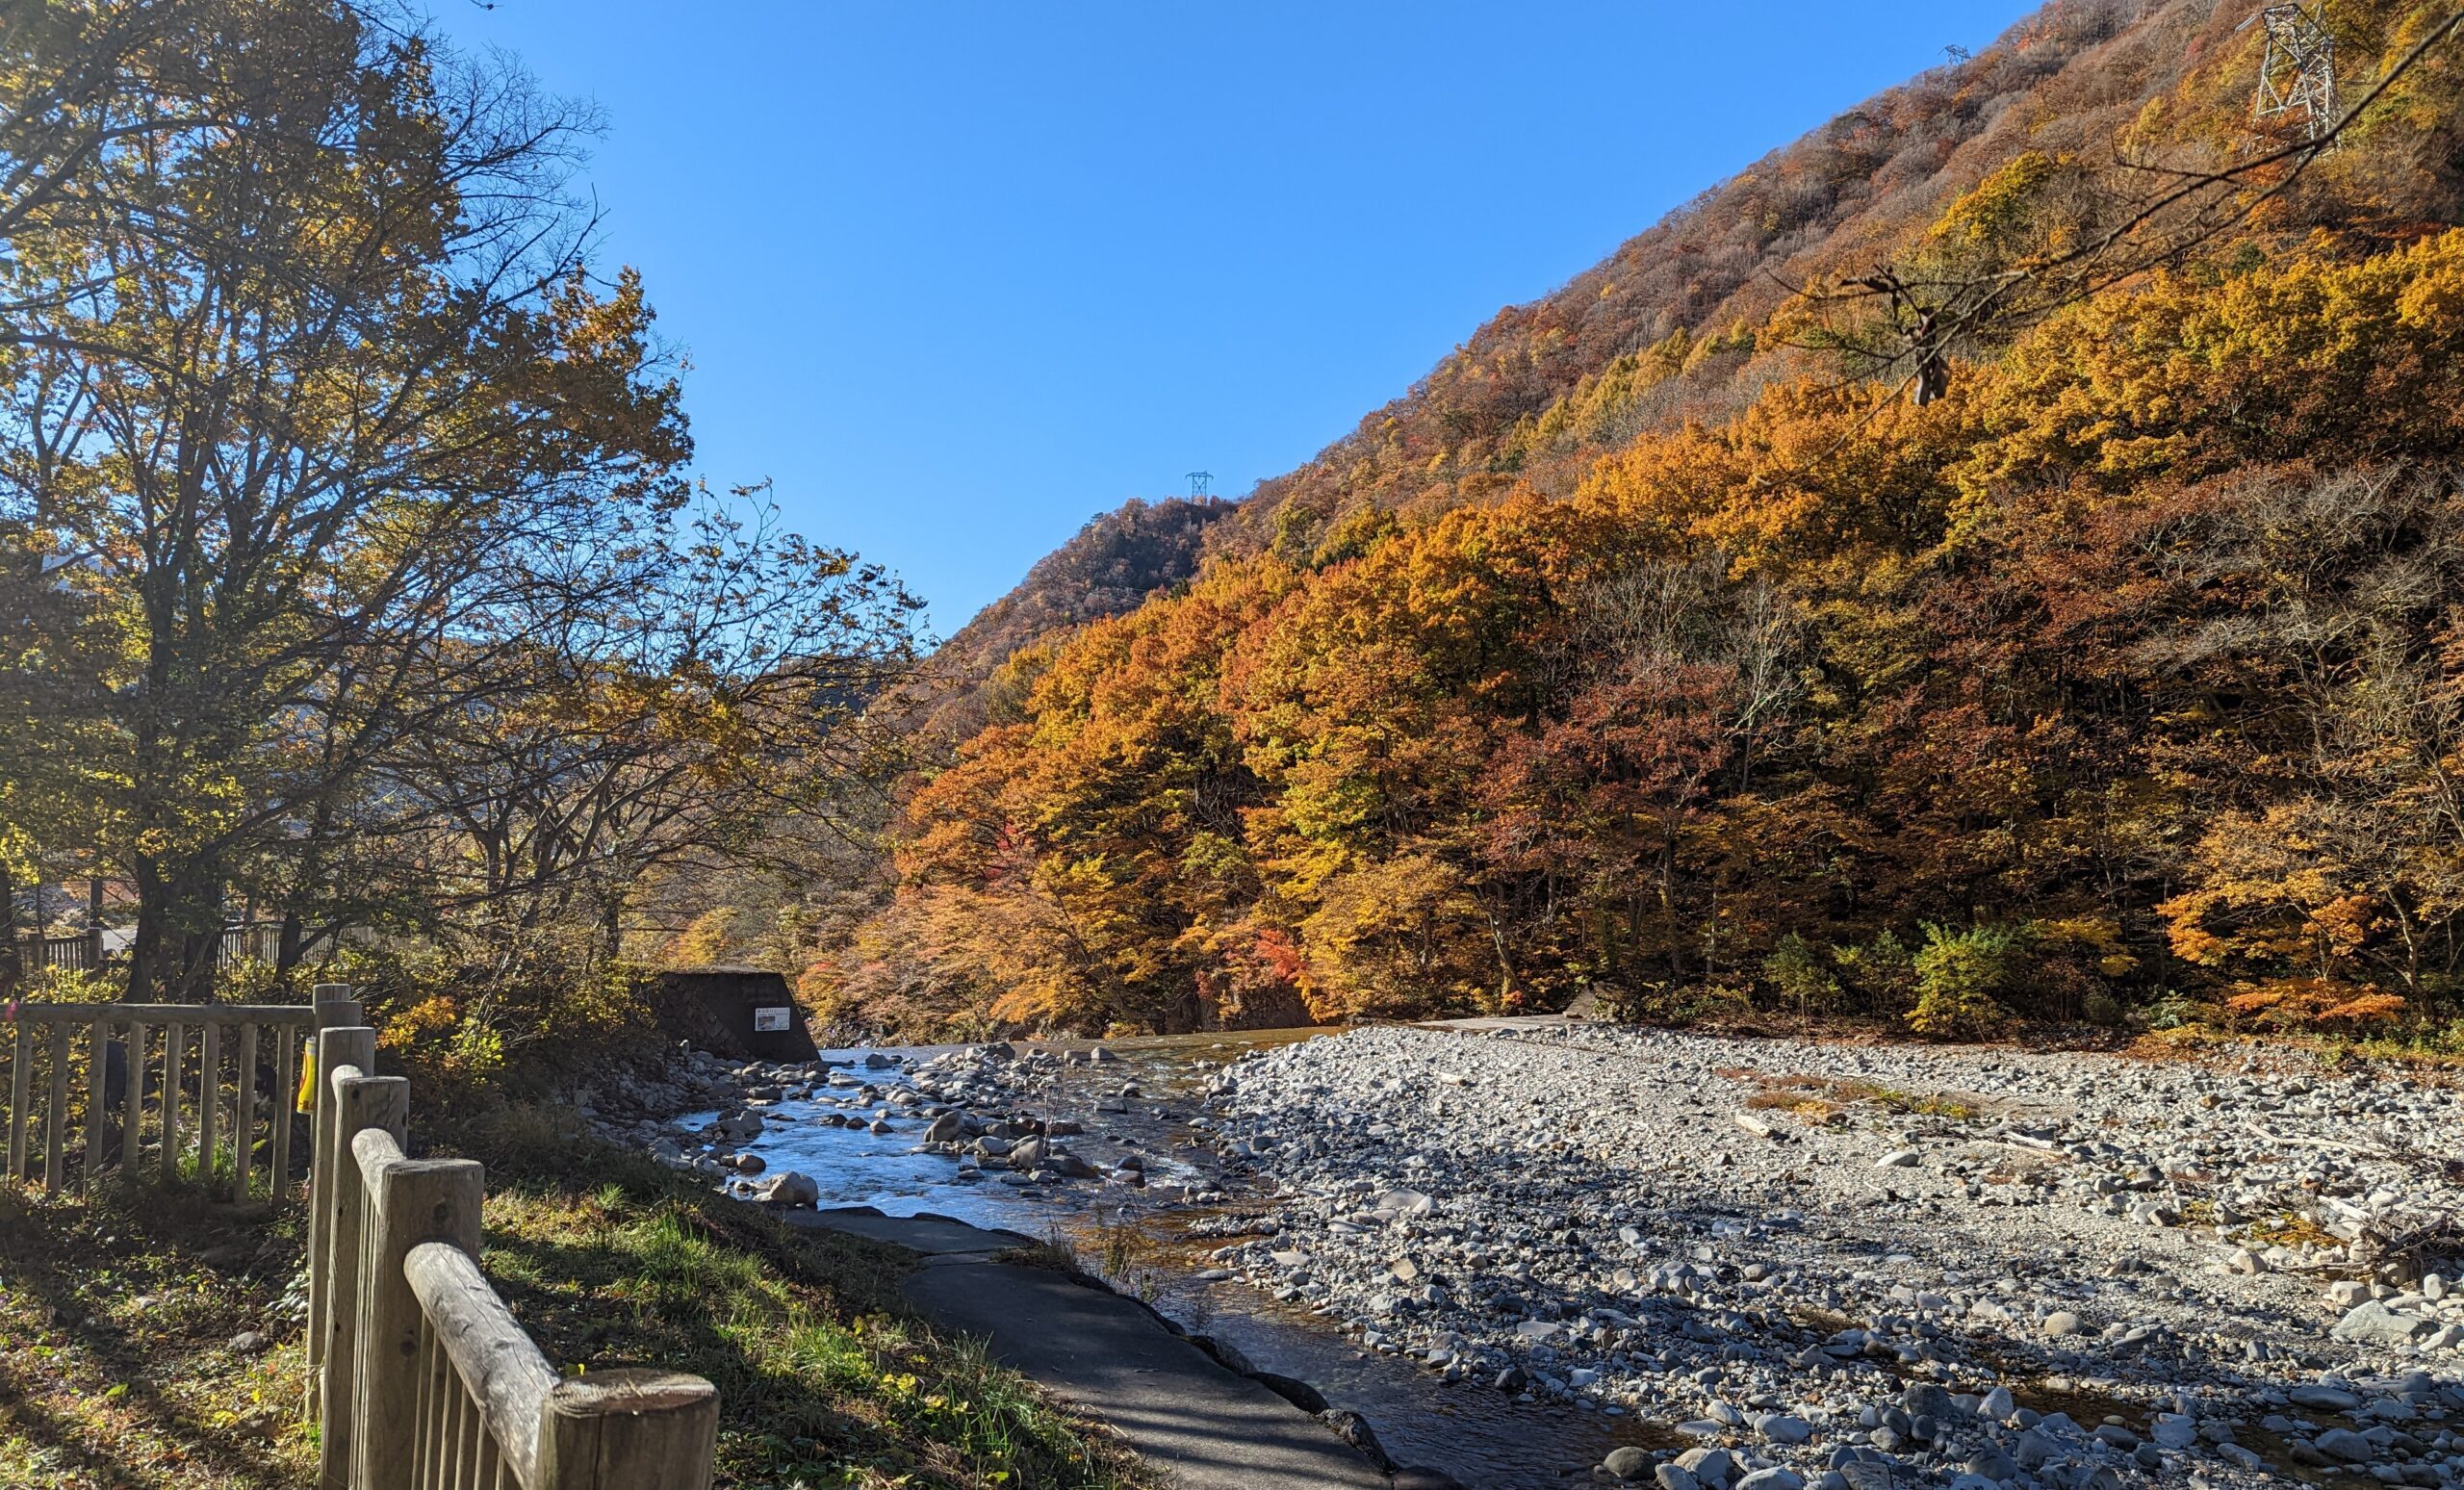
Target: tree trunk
x,y
13,970
179,930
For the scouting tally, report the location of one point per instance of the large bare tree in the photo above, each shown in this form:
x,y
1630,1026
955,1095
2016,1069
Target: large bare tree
x,y
292,410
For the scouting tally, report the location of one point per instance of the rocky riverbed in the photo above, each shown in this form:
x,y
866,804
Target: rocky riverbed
x,y
1847,1266
1786,1264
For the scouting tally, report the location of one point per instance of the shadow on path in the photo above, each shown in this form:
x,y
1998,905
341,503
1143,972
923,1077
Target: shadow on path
x,y
1109,1355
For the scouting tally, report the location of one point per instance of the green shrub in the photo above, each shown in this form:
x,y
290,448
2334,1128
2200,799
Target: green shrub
x,y
1881,974
1959,976
1798,975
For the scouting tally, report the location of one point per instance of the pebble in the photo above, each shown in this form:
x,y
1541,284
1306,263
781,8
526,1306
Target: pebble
x,y
1587,1216
1590,1218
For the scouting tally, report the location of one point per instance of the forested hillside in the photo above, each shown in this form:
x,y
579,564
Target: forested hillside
x,y
1660,646
1108,567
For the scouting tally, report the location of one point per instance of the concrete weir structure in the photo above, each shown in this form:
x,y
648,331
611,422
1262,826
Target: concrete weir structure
x,y
742,1014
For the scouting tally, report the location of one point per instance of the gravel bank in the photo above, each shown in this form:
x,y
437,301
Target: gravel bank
x,y
1860,1267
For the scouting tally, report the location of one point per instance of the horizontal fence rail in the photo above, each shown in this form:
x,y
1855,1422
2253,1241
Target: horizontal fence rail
x,y
87,951
198,1092
260,941
421,1379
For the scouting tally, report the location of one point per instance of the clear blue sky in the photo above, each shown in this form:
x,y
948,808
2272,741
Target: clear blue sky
x,y
958,278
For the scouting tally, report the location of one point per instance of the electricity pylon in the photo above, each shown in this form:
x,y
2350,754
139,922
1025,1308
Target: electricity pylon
x,y
2298,74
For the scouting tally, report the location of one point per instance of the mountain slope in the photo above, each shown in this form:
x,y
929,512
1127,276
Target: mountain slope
x,y
1660,332
1645,650
1105,568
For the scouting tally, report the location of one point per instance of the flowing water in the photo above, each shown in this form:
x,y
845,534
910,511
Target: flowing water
x,y
1472,1431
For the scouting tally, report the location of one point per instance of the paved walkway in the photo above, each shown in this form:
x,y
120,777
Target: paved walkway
x,y
1173,1403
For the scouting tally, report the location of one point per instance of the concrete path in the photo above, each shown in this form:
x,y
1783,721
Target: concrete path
x,y
1174,1404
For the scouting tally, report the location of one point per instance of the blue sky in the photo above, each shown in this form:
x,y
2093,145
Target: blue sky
x,y
958,278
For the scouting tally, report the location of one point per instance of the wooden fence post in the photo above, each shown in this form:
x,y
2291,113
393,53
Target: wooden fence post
x,y
363,1102
175,1046
286,1098
410,1202
209,1098
97,1063
55,1131
21,1093
628,1430
334,1010
336,1047
132,1137
243,1114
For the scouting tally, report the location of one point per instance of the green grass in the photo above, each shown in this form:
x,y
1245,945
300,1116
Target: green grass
x,y
115,1359
611,1261
116,1370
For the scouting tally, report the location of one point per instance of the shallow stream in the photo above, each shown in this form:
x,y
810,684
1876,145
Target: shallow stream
x,y
1480,1435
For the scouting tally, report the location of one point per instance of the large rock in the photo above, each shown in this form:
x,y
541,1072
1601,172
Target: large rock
x,y
1925,1400
1299,1393
1404,1204
2375,1323
2173,1431
1713,1467
790,1188
2323,1397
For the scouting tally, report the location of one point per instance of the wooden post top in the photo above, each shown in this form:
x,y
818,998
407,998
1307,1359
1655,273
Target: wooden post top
x,y
629,1392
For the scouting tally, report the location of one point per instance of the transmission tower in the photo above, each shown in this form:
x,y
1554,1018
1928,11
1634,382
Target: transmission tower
x,y
1201,482
2298,74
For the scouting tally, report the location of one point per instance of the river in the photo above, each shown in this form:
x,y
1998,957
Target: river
x,y
1139,1243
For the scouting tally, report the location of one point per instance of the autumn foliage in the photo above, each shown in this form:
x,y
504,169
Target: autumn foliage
x,y
2130,671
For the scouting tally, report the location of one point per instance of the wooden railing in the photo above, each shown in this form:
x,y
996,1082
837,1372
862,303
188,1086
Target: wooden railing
x,y
220,1077
421,1379
86,951
75,952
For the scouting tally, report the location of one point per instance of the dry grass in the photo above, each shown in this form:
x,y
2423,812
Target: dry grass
x,y
2291,1229
116,1359
1823,1099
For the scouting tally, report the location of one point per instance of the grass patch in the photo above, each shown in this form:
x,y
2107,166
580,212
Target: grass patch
x,y
2291,1229
1104,1250
117,1322
611,1261
118,1319
1819,1099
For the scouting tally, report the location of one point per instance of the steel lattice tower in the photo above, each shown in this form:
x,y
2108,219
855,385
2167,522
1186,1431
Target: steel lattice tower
x,y
2298,76
1201,483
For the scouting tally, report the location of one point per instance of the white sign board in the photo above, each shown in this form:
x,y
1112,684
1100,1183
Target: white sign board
x,y
765,1019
